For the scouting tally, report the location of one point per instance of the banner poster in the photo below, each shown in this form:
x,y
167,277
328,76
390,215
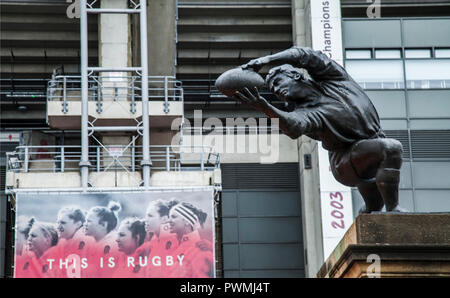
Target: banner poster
x,y
115,235
336,205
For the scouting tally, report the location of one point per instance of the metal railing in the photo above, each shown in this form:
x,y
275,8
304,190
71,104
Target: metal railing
x,y
117,157
114,87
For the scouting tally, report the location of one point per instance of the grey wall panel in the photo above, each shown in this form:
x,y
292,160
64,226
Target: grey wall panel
x,y
231,255
270,230
357,202
433,200
405,175
389,103
406,200
429,103
269,203
427,33
262,226
394,124
271,256
272,273
229,204
375,33
431,174
231,274
432,124
230,230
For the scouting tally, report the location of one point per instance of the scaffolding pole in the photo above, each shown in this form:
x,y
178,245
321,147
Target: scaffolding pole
x,y
146,162
84,162
86,71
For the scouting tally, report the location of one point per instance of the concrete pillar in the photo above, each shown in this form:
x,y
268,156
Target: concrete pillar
x,y
309,178
311,209
299,22
161,28
3,219
114,49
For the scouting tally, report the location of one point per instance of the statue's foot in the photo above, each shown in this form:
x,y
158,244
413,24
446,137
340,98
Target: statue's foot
x,y
365,210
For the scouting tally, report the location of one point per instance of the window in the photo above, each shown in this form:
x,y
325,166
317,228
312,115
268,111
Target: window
x,y
383,68
381,74
358,54
418,53
387,54
442,53
428,73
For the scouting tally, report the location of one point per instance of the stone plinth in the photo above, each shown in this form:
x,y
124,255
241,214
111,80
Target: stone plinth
x,y
405,244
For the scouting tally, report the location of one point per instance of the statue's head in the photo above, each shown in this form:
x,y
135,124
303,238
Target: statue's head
x,y
289,83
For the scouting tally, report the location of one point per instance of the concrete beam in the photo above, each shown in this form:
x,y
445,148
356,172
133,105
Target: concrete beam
x,y
238,9
37,68
14,114
235,37
45,36
18,18
42,52
234,21
56,7
207,69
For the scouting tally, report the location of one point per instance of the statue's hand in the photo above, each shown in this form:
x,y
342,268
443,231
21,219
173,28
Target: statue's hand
x,y
256,64
252,98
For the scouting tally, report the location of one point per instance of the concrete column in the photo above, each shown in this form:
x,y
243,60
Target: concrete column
x,y
309,178
3,219
311,209
161,37
114,48
299,22
161,26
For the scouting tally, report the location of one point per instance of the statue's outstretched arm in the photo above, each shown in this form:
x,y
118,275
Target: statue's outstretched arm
x,y
290,122
319,65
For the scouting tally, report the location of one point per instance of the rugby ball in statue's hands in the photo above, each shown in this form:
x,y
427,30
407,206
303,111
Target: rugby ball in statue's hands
x,y
237,79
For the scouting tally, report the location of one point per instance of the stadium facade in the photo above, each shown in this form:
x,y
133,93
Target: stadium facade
x,y
272,193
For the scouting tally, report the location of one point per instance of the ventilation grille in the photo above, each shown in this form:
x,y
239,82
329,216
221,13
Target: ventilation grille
x,y
430,143
215,36
424,143
260,176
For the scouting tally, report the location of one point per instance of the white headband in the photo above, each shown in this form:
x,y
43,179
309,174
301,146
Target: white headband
x,y
187,214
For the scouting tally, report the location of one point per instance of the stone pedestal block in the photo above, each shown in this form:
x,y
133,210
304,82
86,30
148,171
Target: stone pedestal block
x,y
393,245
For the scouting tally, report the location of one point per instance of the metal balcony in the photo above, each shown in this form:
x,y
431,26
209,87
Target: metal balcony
x,y
60,159
114,99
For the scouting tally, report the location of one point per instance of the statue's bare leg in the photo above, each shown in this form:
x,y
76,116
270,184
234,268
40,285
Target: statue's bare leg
x,y
379,161
372,197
